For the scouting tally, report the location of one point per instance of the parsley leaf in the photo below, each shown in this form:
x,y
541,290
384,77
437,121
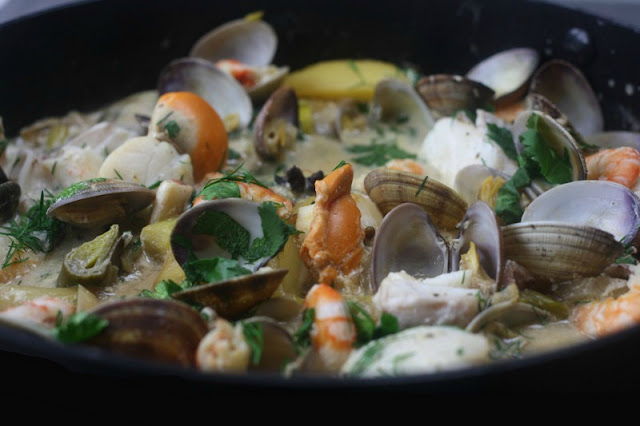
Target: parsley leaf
x,y
388,325
229,234
164,289
275,231
253,333
365,326
219,190
213,270
504,138
508,199
378,154
340,164
78,327
172,129
302,336
554,168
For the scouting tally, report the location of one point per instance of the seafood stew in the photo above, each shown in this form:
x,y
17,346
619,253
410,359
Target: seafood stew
x,y
341,175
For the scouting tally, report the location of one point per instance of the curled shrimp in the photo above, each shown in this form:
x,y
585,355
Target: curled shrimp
x,y
333,332
620,165
406,165
610,315
332,249
256,193
43,310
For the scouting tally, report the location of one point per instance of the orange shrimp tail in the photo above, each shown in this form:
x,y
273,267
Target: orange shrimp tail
x,y
620,165
333,245
333,326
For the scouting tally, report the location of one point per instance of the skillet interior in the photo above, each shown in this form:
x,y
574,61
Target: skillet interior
x,y
87,55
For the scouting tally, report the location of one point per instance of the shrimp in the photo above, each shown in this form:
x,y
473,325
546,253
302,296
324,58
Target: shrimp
x,y
43,310
333,332
610,315
245,75
406,165
256,193
620,165
223,349
333,248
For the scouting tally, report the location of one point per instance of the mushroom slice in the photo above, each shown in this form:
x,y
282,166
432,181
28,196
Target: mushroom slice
x,y
156,330
276,126
447,94
608,206
567,88
100,201
203,78
407,240
506,73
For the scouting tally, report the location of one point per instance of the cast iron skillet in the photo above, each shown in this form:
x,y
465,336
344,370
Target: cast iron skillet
x,y
89,54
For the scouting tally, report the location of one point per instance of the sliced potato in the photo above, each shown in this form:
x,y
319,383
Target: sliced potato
x,y
156,239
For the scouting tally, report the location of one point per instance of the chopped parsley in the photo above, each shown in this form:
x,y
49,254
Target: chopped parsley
x,y
378,154
254,336
78,327
172,129
421,187
226,186
302,336
164,290
371,354
34,231
213,270
366,329
117,174
340,164
503,138
155,184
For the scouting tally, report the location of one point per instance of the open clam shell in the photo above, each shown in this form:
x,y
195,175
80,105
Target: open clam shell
x,y
507,73
556,137
203,78
480,226
157,330
559,251
510,313
100,201
276,126
252,42
568,89
608,206
407,240
234,297
447,94
396,101
389,188
278,348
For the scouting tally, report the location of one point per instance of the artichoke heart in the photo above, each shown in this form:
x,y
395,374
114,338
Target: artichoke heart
x,y
92,263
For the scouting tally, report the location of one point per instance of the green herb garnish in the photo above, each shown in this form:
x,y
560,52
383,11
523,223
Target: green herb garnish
x,y
164,290
34,231
372,354
78,327
378,154
302,336
172,128
213,270
226,186
421,187
275,231
155,184
118,174
366,329
340,164
505,349
503,138
554,168
255,339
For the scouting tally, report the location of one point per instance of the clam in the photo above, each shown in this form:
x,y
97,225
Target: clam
x,y
396,101
389,188
9,197
408,240
537,102
276,126
97,202
192,236
568,89
608,206
469,180
510,313
556,137
251,42
506,73
560,251
278,348
447,94
203,78
156,330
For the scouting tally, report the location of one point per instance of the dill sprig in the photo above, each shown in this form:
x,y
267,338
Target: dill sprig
x,y
34,231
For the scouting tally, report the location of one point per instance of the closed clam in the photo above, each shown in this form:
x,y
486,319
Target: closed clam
x,y
100,201
156,330
506,72
203,78
560,251
389,188
447,94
